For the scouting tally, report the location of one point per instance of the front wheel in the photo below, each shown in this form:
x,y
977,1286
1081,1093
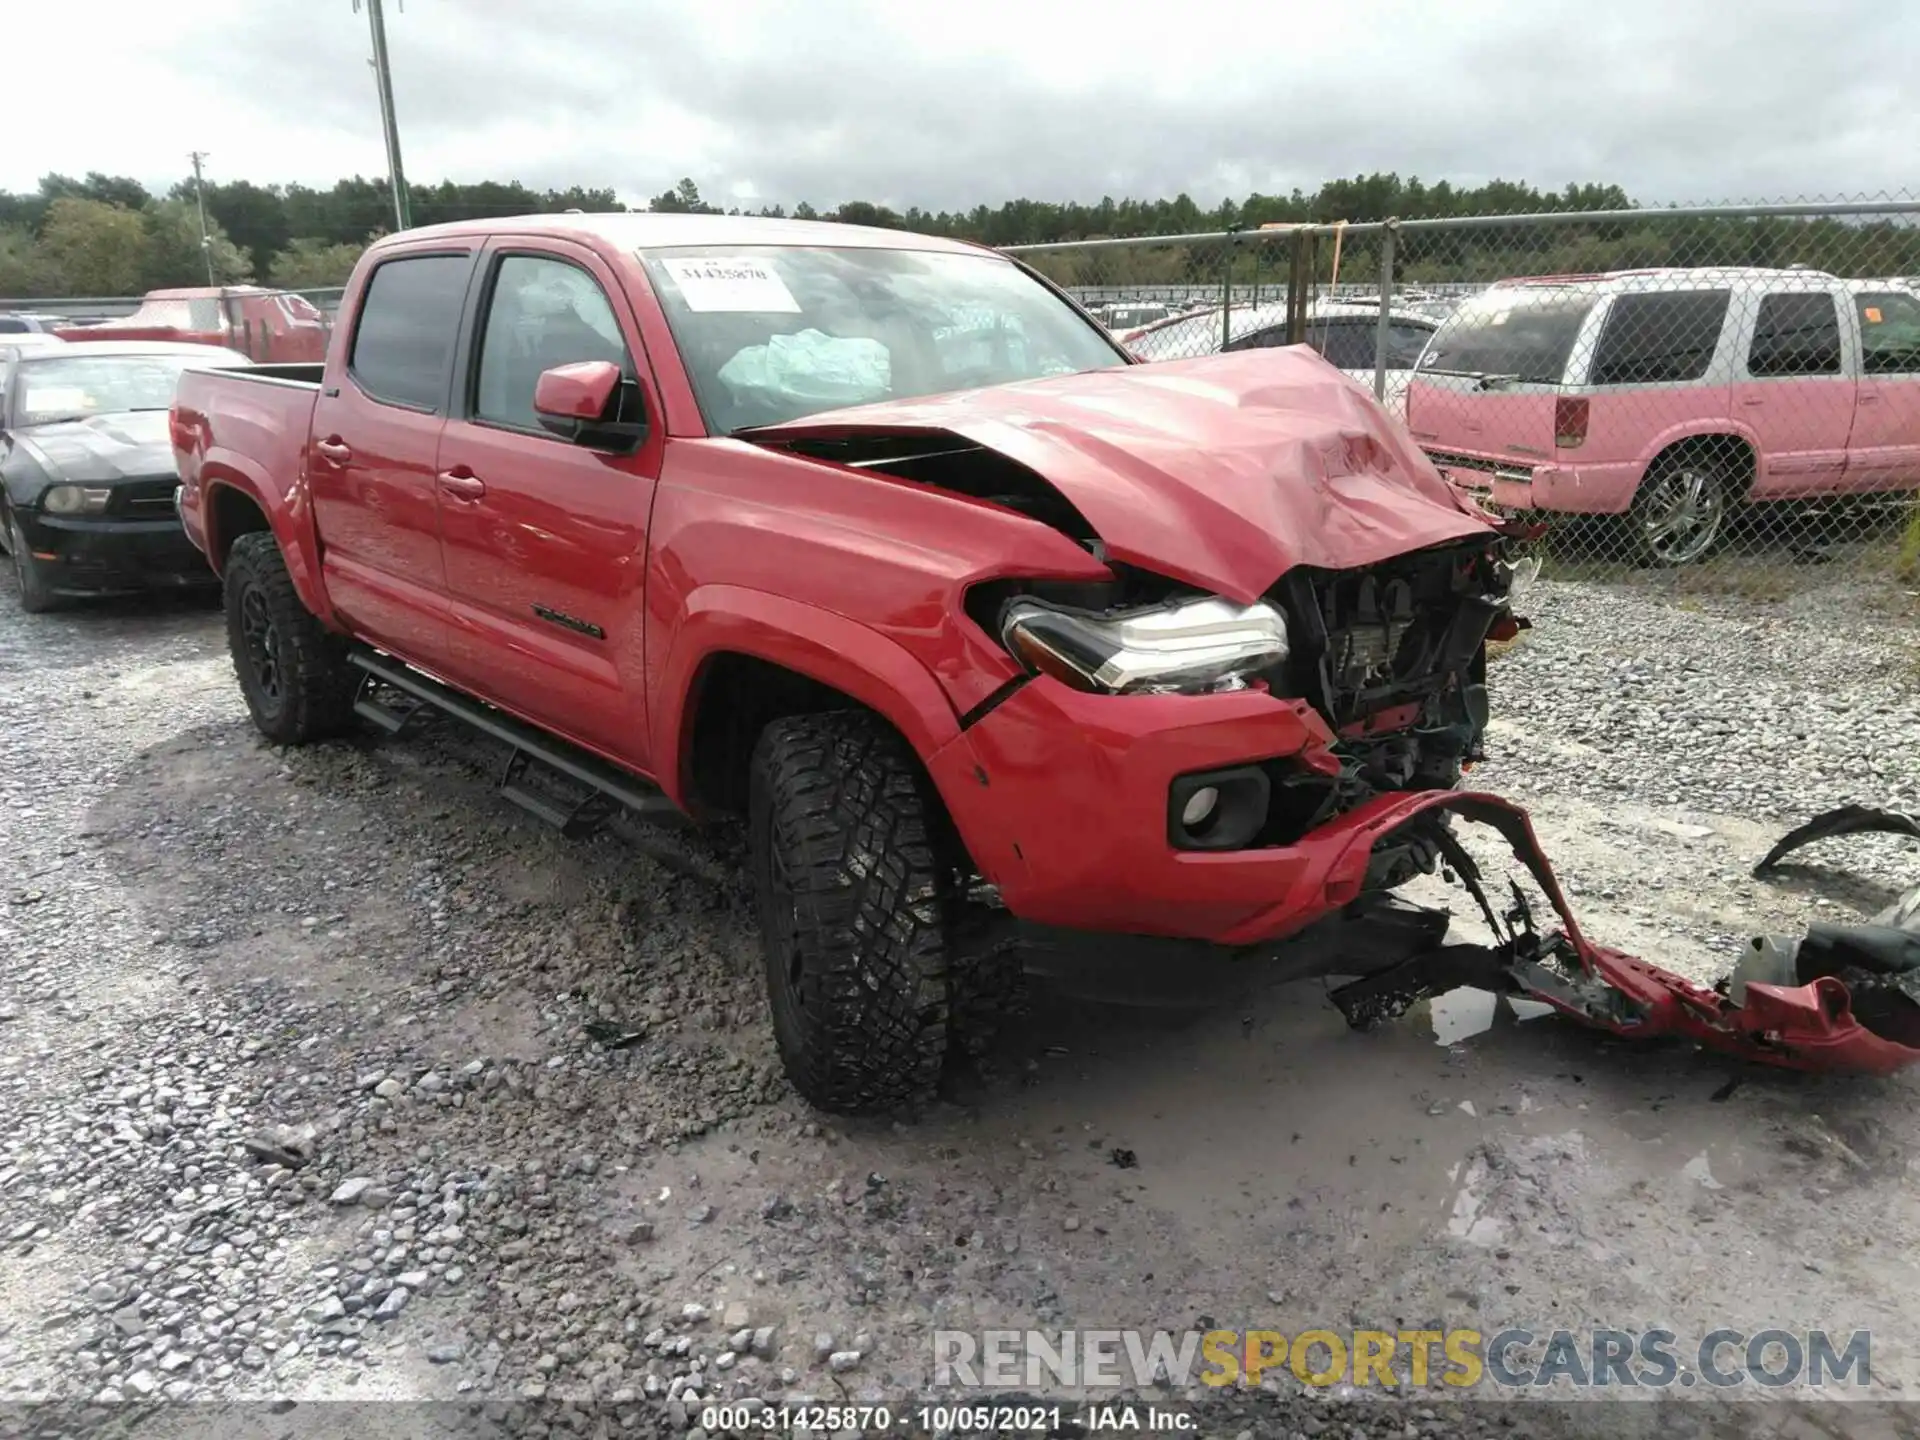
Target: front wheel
x,y
1679,512
29,574
292,670
857,905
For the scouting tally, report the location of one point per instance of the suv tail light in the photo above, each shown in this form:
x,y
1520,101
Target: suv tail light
x,y
1570,421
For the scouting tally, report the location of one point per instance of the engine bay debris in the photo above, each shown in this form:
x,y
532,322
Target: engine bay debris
x,y
1840,998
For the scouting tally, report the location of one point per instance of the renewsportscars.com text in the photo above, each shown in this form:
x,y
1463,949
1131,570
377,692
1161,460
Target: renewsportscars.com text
x,y
1463,1359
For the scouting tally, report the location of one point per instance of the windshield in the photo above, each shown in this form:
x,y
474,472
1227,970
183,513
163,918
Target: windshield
x,y
772,334
76,387
1524,332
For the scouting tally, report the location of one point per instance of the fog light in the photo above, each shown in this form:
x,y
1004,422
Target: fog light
x,y
1217,809
1199,806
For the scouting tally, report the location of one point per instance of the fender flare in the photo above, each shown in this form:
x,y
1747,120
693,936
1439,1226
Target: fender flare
x,y
289,517
824,646
1703,430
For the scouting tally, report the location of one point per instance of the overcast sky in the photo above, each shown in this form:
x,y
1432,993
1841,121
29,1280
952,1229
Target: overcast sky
x,y
964,101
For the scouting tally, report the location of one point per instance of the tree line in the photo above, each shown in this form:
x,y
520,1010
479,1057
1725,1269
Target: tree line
x,y
109,235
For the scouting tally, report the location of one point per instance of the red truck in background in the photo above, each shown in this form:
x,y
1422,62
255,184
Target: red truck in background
x,y
269,326
878,542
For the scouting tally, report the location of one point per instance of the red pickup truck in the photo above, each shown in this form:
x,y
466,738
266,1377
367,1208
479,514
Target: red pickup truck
x,y
879,542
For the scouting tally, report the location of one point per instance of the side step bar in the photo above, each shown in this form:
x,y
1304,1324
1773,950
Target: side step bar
x,y
606,785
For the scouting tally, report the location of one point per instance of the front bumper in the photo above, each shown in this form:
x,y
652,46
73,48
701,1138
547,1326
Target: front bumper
x,y
89,555
1062,800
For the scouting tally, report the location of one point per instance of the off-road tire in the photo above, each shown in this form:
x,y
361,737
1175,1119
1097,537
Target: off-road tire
x,y
989,985
857,903
292,670
30,576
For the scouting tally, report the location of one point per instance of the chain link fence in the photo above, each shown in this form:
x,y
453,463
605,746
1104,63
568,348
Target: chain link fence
x,y
1686,395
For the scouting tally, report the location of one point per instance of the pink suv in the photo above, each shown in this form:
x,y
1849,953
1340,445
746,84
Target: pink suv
x,y
1672,396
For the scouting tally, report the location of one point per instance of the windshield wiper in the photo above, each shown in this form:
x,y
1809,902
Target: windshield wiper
x,y
1488,380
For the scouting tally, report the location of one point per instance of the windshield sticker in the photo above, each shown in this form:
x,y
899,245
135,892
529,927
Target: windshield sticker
x,y
735,285
1873,314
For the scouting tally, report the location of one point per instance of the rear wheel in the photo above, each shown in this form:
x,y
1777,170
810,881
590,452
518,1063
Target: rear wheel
x,y
1679,511
857,907
29,574
292,670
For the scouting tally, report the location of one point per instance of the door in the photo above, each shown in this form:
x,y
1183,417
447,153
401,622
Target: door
x,y
545,539
1795,390
372,454
1884,450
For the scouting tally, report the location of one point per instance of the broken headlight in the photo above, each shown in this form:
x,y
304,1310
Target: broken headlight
x,y
1185,647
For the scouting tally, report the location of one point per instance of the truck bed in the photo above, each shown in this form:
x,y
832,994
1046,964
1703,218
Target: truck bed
x,y
252,423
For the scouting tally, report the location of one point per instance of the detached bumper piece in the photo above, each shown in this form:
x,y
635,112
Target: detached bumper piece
x,y
1843,998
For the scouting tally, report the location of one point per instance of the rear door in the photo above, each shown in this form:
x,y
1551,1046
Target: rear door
x,y
1794,387
371,457
1883,453
1486,383
546,540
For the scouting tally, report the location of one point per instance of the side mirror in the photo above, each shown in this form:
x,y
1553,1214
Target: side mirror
x,y
590,403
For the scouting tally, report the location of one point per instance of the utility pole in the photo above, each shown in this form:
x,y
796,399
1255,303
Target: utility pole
x,y
200,197
383,79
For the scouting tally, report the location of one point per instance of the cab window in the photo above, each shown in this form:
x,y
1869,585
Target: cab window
x,y
543,312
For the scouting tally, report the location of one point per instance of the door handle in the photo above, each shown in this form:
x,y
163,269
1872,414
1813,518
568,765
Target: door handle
x,y
336,451
1868,397
1754,400
462,484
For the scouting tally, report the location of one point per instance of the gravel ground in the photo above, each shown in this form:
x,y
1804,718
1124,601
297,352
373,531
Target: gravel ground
x,y
332,1077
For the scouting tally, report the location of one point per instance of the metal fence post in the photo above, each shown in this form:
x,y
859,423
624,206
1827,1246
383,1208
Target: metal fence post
x,y
1226,290
1386,308
1297,290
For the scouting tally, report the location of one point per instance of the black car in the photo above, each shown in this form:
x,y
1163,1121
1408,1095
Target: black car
x,y
86,468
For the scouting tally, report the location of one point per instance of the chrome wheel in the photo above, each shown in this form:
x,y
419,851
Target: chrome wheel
x,y
1679,513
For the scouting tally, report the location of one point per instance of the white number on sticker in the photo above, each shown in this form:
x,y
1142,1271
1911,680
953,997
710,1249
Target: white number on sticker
x,y
731,284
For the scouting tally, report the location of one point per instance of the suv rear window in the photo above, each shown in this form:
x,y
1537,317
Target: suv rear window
x,y
1525,332
1657,338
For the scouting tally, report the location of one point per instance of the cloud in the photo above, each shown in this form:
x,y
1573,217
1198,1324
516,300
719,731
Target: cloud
x,y
944,105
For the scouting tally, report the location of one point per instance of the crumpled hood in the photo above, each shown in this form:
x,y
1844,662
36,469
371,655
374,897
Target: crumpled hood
x,y
105,448
1224,472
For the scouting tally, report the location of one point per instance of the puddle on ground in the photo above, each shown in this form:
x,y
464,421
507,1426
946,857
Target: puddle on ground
x,y
1469,1011
1467,1222
1461,1014
1700,1170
